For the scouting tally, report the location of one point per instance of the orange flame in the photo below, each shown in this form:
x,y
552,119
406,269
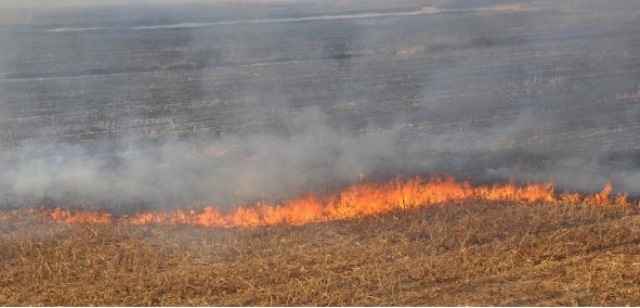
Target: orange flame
x,y
80,216
358,200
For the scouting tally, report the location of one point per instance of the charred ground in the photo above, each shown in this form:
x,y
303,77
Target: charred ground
x,y
122,105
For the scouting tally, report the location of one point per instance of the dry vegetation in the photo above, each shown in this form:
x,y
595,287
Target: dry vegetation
x,y
458,254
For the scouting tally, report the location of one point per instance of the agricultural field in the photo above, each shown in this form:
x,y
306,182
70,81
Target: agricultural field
x,y
456,254
409,152
486,90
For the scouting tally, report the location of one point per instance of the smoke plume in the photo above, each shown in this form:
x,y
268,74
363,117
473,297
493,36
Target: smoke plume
x,y
220,102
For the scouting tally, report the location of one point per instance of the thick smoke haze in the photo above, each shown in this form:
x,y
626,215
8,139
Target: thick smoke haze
x,y
219,102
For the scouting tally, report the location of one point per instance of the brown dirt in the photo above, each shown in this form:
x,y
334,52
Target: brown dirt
x,y
458,254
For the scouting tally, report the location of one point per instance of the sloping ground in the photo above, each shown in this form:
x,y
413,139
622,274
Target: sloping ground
x,y
470,253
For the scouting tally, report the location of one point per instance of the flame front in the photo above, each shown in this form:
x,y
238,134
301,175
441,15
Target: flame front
x,y
359,200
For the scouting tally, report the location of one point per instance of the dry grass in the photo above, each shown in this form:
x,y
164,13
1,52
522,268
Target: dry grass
x,y
459,254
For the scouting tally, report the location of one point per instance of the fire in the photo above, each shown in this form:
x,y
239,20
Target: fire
x,y
87,216
5,216
359,200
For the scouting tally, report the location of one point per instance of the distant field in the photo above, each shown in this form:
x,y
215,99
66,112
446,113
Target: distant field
x,y
469,253
251,102
530,78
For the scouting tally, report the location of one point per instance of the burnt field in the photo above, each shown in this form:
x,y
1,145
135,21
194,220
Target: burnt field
x,y
320,92
567,71
268,153
298,152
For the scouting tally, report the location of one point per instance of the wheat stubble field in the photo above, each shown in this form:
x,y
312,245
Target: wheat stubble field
x,y
221,153
467,253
